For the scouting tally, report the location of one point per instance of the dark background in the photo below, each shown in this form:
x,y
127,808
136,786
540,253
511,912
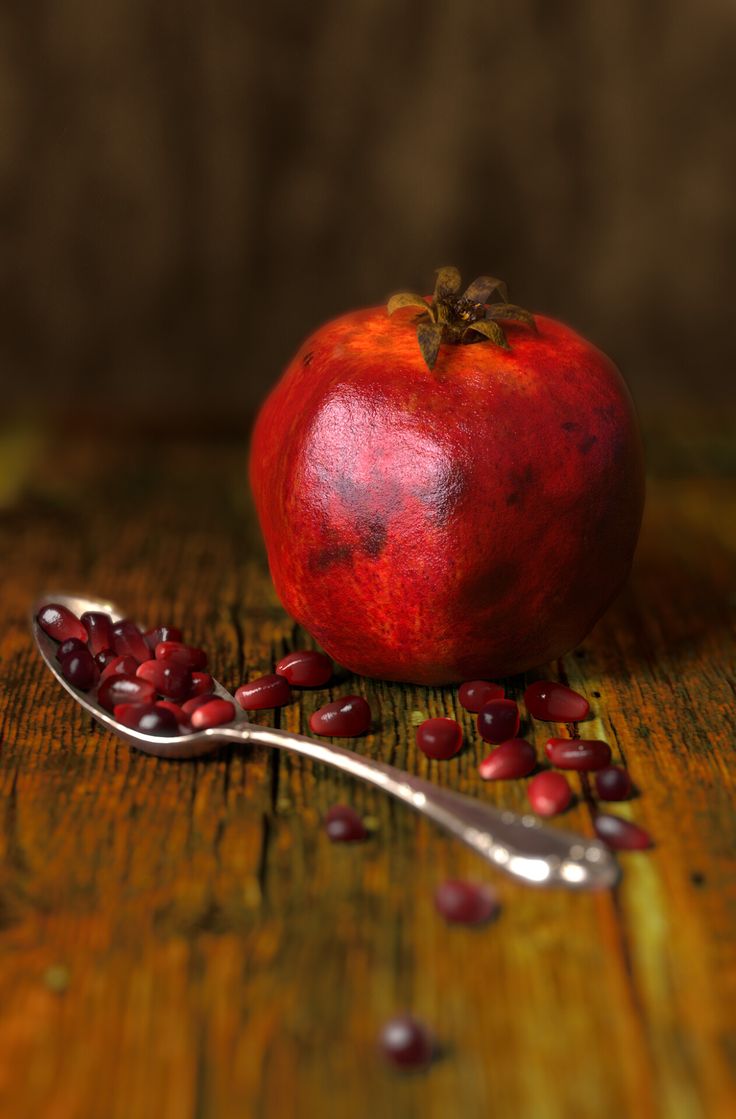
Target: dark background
x,y
188,189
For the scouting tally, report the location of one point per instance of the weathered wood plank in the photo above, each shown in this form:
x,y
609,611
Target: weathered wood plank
x,y
218,956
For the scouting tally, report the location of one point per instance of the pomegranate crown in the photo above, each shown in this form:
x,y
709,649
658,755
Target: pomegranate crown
x,y
452,317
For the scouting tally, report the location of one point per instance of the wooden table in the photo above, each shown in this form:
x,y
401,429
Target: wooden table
x,y
182,940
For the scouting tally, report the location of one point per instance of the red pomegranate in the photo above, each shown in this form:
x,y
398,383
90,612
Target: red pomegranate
x,y
445,511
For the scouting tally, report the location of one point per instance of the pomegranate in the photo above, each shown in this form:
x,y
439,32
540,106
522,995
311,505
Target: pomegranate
x,y
448,511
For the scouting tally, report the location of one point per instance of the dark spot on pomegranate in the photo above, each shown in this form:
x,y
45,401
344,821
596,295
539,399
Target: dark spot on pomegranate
x,y
373,536
330,556
307,359
570,425
520,480
587,444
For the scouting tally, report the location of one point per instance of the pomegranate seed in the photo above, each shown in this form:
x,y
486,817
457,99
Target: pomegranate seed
x,y
128,713
191,657
612,783
555,703
465,903
124,689
549,793
305,668
265,691
120,666
79,668
406,1043
498,720
71,645
346,717
59,622
578,753
183,722
104,657
475,693
128,641
155,636
99,628
344,825
202,683
621,834
213,714
515,758
439,738
196,701
168,678
149,718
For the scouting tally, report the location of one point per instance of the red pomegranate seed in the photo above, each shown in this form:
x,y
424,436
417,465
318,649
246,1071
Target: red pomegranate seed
x,y
406,1043
515,758
79,668
439,738
71,645
612,783
475,693
346,717
344,825
191,657
182,720
120,666
99,628
549,793
196,701
498,720
202,683
128,641
578,753
59,622
265,691
124,689
155,636
127,713
104,657
170,679
621,834
213,714
466,903
149,718
305,668
555,703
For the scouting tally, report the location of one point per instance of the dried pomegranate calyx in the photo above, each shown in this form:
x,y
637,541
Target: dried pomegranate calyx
x,y
452,317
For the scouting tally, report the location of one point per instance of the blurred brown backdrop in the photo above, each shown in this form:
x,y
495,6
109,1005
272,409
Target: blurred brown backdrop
x,y
189,188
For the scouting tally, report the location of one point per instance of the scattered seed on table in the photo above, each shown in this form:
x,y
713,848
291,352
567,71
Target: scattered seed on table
x,y
547,700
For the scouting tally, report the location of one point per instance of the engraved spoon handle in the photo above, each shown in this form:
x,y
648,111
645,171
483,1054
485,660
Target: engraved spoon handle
x,y
518,845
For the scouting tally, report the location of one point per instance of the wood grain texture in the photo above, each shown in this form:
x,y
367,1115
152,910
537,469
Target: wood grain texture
x,y
181,939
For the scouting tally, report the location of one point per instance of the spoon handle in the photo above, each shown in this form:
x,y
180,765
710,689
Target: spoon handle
x,y
518,845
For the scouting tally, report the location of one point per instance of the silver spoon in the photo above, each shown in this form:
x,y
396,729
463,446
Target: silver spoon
x,y
518,845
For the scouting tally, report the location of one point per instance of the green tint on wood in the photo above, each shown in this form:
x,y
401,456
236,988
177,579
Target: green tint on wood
x,y
181,939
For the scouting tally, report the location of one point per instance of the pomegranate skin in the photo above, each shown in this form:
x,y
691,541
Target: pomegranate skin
x,y
438,526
